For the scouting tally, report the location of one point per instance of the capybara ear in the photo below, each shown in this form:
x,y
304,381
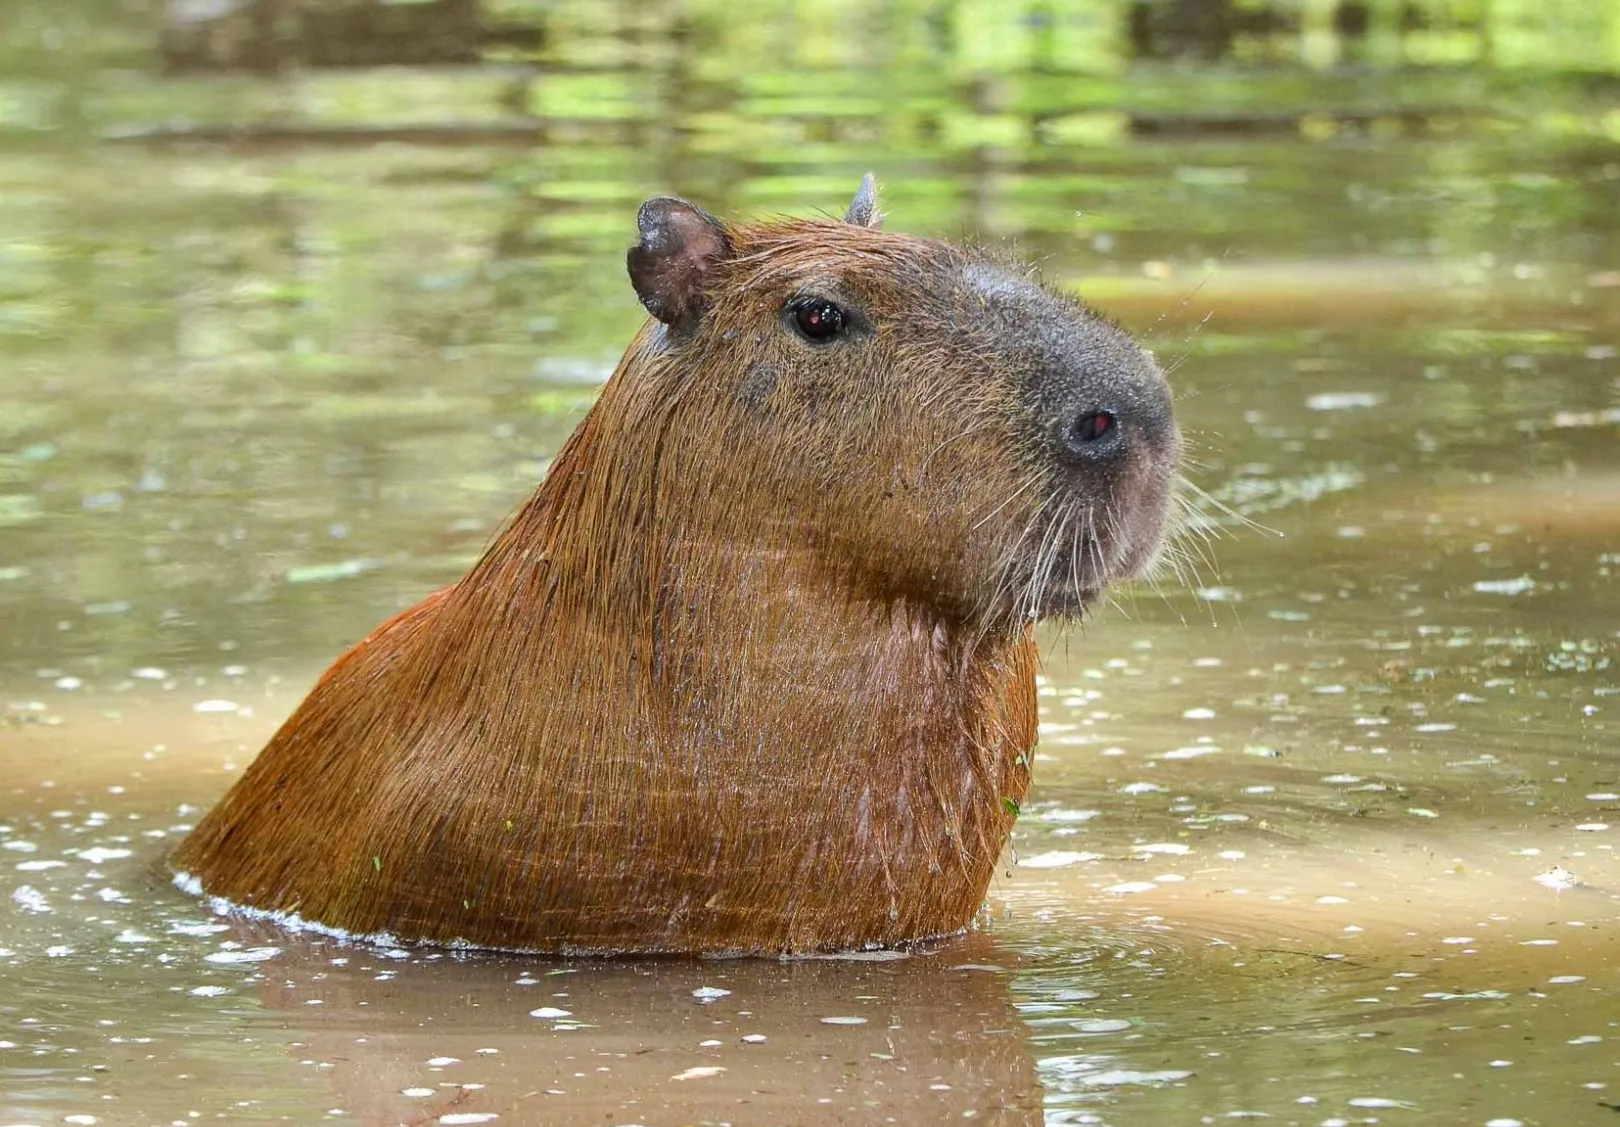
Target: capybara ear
x,y
863,212
680,243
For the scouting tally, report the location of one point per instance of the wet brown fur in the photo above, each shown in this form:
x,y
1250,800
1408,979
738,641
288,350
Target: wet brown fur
x,y
751,671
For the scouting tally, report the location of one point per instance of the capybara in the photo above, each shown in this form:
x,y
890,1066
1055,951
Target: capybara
x,y
753,669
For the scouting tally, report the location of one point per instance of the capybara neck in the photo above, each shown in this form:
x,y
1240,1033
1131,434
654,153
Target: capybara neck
x,y
753,669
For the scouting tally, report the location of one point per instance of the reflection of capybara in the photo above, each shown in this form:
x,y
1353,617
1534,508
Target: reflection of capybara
x,y
922,1039
752,670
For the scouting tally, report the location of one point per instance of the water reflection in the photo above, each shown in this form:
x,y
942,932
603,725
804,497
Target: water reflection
x,y
248,1014
271,35
919,1039
296,304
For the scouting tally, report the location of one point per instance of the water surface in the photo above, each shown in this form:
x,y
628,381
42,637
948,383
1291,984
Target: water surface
x,y
1324,822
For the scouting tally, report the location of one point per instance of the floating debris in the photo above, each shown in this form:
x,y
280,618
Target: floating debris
x,y
1519,586
1056,859
1344,401
1130,886
1558,879
698,1073
249,955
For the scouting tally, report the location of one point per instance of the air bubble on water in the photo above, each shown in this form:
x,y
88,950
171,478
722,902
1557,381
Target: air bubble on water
x,y
1066,816
1558,878
97,855
1087,1071
248,955
1103,1025
197,929
1056,859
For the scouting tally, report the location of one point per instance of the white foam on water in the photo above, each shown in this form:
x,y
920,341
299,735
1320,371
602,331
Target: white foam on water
x,y
30,899
96,855
395,947
291,921
1056,859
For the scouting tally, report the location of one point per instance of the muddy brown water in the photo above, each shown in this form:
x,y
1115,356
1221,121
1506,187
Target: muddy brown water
x,y
1325,819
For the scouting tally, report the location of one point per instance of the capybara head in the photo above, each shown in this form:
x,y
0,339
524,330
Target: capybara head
x,y
934,420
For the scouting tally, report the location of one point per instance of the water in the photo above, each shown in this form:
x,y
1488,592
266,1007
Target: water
x,y
1324,830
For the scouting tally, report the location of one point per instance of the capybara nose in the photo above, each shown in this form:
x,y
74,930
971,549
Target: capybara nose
x,y
1104,435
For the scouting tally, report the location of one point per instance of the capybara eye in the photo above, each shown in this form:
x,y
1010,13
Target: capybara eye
x,y
816,319
1091,427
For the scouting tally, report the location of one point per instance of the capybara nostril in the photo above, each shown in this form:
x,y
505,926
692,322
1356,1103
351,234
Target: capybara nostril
x,y
1094,435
